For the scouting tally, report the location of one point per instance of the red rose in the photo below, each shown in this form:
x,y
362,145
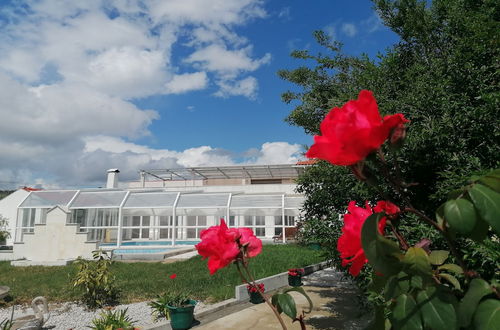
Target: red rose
x,y
173,276
349,244
219,244
350,133
254,244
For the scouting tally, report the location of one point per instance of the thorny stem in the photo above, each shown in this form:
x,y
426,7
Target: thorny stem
x,y
402,241
252,282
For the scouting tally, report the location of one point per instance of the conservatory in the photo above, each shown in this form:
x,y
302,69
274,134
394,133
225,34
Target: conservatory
x,y
119,217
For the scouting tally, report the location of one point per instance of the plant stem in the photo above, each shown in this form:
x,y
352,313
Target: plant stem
x,y
402,241
266,299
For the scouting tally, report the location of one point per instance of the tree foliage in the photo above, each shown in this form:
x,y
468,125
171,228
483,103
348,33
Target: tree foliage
x,y
442,75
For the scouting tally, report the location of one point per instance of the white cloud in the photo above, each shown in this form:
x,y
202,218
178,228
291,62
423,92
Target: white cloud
x,y
69,70
279,153
246,87
187,82
285,13
349,29
225,62
372,23
331,30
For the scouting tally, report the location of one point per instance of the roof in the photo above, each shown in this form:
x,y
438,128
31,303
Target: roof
x,y
227,172
307,162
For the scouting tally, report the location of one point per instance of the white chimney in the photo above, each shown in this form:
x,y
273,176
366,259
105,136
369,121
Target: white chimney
x,y
112,178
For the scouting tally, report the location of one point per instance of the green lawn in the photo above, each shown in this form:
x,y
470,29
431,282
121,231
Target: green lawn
x,y
143,281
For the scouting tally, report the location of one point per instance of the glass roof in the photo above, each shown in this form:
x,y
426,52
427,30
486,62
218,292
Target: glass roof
x,y
151,200
48,199
228,172
158,200
102,199
262,201
203,200
294,202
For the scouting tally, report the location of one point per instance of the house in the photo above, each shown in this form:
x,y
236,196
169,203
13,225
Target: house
x,y
170,205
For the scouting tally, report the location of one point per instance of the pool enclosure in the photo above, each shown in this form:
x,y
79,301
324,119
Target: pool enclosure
x,y
118,216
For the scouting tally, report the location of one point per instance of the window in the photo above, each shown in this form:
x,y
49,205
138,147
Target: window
x,y
195,221
257,223
136,227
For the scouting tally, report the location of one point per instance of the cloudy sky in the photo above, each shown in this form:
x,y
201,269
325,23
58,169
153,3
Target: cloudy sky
x,y
140,84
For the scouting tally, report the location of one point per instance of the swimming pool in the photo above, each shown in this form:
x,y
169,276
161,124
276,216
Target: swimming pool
x,y
140,251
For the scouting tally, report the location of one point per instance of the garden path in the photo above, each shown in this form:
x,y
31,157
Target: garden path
x,y
336,306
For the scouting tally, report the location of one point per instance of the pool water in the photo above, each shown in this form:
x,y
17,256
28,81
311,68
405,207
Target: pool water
x,y
142,251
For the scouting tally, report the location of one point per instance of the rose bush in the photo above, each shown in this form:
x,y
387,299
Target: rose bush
x,y
415,287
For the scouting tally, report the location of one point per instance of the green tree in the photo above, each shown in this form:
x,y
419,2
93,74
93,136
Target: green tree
x,y
443,75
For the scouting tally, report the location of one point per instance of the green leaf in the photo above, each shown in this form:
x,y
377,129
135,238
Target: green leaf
x,y
417,261
405,314
480,231
397,285
382,253
487,203
416,282
451,279
437,313
438,257
379,322
274,301
454,194
377,283
492,180
301,291
478,288
287,304
487,315
460,215
440,215
452,268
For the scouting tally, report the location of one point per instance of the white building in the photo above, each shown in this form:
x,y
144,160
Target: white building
x,y
170,205
8,210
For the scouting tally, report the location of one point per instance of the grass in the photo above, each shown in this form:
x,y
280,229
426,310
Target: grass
x,y
144,281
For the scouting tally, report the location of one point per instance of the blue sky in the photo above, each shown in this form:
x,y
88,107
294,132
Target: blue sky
x,y
87,86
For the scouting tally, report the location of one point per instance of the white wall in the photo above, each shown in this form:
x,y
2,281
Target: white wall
x,y
55,240
8,209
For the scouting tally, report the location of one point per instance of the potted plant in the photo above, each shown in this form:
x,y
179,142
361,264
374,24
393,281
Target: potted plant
x,y
176,307
254,293
295,276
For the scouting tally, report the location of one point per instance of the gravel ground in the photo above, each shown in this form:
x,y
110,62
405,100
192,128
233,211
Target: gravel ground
x,y
74,316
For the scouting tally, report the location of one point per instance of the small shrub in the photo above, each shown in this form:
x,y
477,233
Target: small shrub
x,y
95,279
161,303
6,324
112,320
4,234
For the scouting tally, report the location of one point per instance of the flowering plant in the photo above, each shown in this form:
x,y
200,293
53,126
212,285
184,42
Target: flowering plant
x,y
296,272
258,288
223,246
418,288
